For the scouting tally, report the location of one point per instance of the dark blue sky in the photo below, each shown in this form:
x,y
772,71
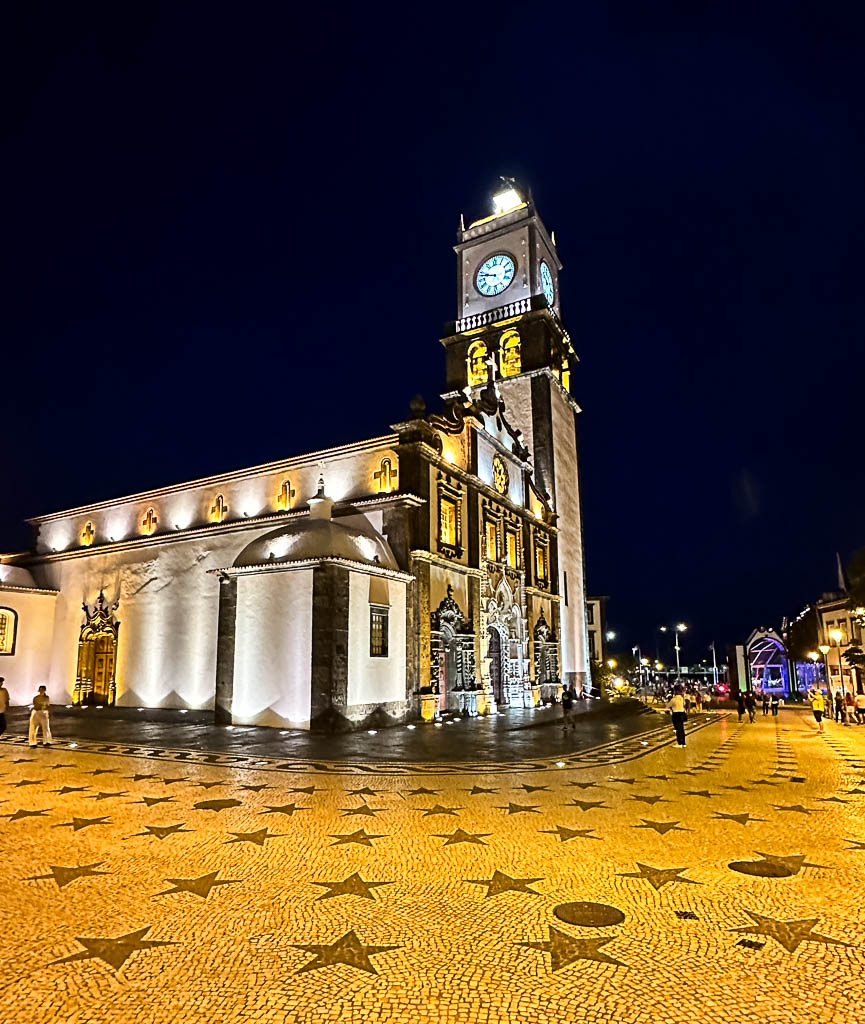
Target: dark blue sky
x,y
228,240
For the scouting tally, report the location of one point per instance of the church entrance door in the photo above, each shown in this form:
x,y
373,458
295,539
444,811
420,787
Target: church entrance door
x,y
495,656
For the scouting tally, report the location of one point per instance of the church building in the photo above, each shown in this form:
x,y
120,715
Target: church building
x,y
436,568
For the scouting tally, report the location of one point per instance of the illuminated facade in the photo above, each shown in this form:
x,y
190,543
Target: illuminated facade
x,y
339,588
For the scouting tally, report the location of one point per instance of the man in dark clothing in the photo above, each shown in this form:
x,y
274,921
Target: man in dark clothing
x,y
750,705
569,698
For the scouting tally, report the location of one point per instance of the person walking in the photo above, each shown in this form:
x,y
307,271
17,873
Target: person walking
x,y
4,705
39,718
751,705
849,708
569,698
740,704
839,706
860,708
776,703
765,703
676,707
818,706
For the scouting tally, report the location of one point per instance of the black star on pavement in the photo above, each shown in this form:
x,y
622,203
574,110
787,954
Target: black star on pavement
x,y
361,837
477,790
346,950
438,809
70,789
104,796
585,805
16,815
662,827
209,785
364,809
215,805
646,799
354,885
519,808
531,789
856,844
115,952
366,791
789,934
461,836
565,949
500,882
162,831
28,782
259,837
740,819
700,792
79,823
796,808
286,809
151,801
63,876
200,886
422,791
565,834
257,788
658,877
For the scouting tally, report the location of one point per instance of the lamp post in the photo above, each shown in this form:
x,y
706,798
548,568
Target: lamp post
x,y
838,636
824,650
680,627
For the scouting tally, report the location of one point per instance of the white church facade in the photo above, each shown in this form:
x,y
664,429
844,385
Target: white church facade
x,y
438,566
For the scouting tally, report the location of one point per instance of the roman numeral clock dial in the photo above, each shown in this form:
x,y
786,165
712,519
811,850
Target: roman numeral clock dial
x,y
495,274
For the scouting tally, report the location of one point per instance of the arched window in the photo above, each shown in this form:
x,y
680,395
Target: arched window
x,y
8,630
509,354
477,364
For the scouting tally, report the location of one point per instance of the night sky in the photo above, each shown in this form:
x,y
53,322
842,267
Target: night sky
x,y
228,240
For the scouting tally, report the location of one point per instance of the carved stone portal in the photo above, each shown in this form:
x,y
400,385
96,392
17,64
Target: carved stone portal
x,y
452,656
97,655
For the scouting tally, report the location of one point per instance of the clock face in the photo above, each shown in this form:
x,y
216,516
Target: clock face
x,y
495,274
547,283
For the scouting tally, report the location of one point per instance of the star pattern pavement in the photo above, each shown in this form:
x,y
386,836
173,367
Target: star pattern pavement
x,y
789,934
114,952
566,949
346,950
200,886
500,882
657,877
354,885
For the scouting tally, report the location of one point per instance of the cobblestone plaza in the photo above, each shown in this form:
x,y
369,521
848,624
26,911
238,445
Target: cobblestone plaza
x,y
631,881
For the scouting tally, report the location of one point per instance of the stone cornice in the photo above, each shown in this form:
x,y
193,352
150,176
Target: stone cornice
x,y
344,508
385,441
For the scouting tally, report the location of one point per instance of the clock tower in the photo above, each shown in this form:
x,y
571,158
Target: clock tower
x,y
509,330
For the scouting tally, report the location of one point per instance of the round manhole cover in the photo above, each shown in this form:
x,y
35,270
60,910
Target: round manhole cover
x,y
590,915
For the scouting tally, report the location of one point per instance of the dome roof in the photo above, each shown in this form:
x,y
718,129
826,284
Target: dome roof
x,y
318,538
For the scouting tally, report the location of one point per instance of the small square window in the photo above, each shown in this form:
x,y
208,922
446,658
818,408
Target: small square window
x,y
378,631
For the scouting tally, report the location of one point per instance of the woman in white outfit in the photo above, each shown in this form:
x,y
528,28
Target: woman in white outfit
x,y
39,718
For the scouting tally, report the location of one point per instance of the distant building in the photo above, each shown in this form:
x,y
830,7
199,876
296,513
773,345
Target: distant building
x,y
839,630
596,620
